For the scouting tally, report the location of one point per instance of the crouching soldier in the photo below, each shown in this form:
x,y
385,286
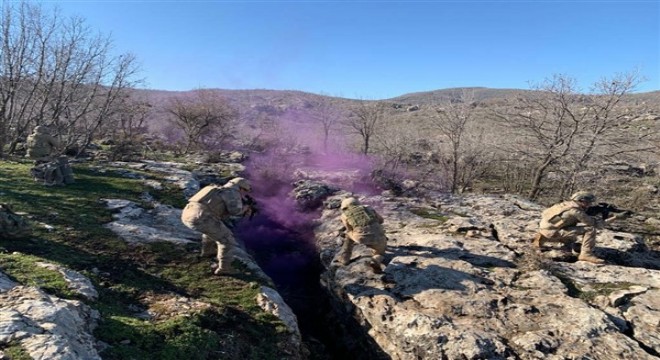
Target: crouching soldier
x,y
559,223
364,226
52,170
205,213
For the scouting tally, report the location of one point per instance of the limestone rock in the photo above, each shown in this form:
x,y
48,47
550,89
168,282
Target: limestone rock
x,y
462,281
45,326
77,281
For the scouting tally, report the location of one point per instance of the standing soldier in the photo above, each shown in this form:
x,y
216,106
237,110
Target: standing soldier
x,y
205,213
559,223
364,226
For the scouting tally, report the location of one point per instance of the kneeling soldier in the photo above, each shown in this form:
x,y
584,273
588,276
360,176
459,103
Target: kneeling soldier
x,y
559,223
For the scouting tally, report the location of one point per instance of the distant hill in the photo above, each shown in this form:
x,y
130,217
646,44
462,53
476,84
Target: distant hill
x,y
300,98
435,96
275,103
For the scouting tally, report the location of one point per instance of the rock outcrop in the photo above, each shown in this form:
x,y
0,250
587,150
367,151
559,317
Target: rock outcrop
x,y
462,281
46,326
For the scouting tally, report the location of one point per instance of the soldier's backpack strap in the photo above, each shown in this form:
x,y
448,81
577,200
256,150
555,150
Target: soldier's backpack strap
x,y
205,195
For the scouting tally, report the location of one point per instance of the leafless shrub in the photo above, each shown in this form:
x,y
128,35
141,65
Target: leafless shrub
x,y
564,131
206,120
365,120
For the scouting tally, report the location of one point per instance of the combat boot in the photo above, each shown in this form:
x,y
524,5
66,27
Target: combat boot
x,y
589,257
209,249
539,240
588,244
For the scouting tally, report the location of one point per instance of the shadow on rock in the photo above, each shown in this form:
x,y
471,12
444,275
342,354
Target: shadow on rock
x,y
647,260
451,254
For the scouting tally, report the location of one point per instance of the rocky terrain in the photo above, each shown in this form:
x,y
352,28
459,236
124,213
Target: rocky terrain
x,y
461,282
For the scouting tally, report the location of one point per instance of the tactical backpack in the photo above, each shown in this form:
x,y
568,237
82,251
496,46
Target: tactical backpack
x,y
553,213
219,200
49,172
12,225
359,216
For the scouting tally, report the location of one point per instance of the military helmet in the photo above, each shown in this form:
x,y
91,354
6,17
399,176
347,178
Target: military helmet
x,y
241,183
40,129
348,202
584,196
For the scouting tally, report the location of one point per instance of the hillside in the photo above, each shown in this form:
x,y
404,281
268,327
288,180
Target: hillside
x,y
110,252
250,98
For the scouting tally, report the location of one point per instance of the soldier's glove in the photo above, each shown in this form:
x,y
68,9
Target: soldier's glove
x,y
623,215
252,209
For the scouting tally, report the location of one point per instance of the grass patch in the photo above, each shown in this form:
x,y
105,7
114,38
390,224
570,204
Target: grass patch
x,y
596,289
169,194
429,214
14,351
604,289
23,269
572,289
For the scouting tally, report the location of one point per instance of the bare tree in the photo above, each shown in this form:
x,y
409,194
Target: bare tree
x,y
25,34
563,130
364,120
327,115
610,131
56,72
453,119
128,121
204,117
396,144
132,119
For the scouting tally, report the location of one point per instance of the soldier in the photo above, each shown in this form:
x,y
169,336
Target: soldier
x,y
364,226
41,146
559,223
12,225
205,213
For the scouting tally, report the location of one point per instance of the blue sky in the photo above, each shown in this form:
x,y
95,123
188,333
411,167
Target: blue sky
x,y
378,49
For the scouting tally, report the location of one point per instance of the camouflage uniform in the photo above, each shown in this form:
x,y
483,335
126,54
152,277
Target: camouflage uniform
x,y
559,223
12,225
364,226
205,213
41,145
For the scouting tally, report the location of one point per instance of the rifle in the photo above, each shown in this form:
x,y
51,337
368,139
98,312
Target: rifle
x,y
605,209
252,205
